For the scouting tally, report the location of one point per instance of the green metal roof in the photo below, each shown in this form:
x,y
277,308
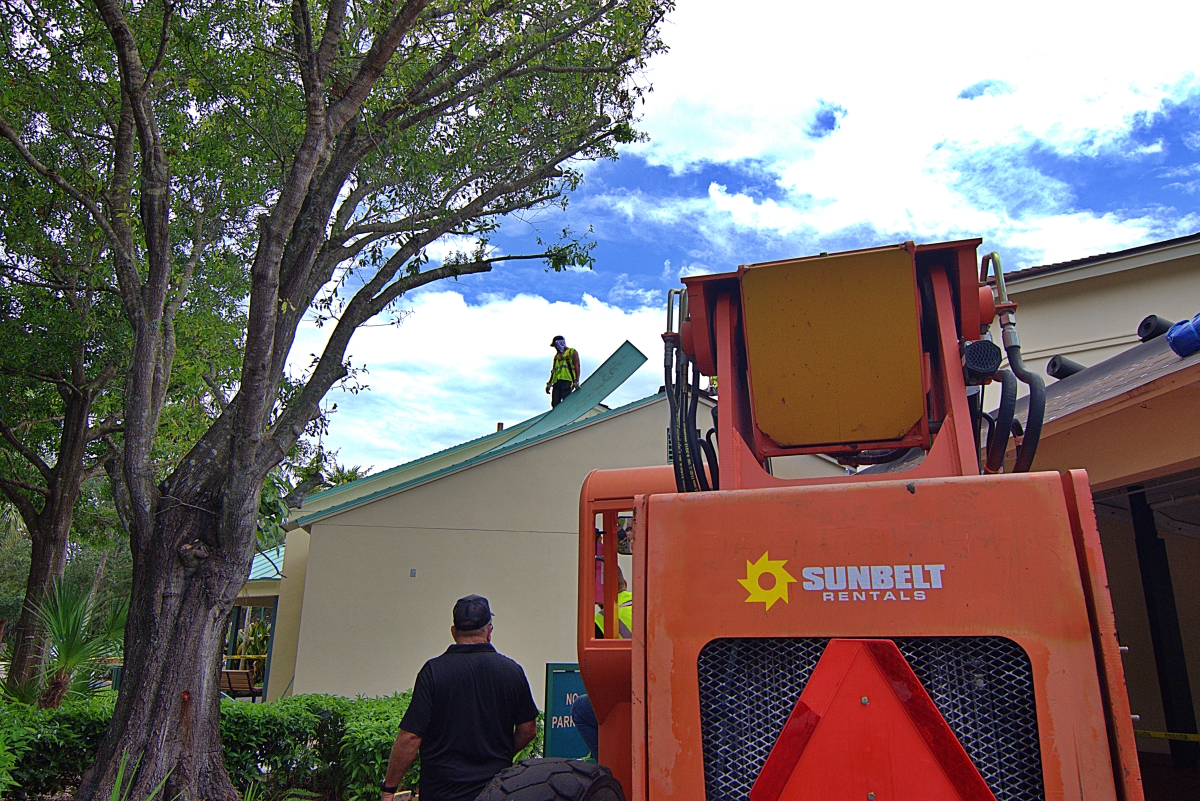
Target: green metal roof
x,y
508,447
409,470
267,565
579,406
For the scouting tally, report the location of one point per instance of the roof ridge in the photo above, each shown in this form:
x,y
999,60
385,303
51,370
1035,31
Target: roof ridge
x,y
1042,269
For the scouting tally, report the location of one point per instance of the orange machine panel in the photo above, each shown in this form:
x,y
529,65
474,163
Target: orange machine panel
x,y
977,580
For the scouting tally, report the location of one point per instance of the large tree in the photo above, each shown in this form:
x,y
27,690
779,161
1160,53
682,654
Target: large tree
x,y
62,320
381,127
63,346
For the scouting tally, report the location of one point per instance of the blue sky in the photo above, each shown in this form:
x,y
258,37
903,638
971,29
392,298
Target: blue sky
x,y
785,130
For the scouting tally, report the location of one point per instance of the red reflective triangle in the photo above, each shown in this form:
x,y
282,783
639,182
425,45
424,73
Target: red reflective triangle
x,y
896,745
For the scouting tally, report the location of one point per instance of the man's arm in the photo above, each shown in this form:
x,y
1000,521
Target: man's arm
x,y
404,753
524,735
575,361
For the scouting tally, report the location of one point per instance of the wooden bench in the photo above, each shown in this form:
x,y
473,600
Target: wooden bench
x,y
240,684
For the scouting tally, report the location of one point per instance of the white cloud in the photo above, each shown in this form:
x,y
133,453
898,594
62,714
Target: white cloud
x,y
925,89
744,85
918,104
452,370
625,290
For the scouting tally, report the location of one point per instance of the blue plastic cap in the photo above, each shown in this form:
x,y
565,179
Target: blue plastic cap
x,y
1184,337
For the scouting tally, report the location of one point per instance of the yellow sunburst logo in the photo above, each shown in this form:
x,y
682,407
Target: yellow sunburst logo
x,y
778,591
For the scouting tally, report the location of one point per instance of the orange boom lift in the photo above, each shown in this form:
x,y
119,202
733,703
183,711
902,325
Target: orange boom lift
x,y
934,626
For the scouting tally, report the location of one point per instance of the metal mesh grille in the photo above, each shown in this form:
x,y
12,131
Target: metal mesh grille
x,y
983,686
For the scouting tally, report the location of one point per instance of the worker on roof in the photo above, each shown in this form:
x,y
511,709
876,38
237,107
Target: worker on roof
x,y
564,372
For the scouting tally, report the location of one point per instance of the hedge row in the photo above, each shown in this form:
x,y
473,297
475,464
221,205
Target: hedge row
x,y
335,747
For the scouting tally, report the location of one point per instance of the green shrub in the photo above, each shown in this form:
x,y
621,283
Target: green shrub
x,y
287,744
366,743
334,747
58,743
14,736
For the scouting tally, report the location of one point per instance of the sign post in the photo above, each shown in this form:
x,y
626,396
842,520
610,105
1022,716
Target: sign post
x,y
563,686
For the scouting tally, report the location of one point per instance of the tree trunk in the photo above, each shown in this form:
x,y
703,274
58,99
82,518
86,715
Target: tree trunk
x,y
46,565
167,712
56,691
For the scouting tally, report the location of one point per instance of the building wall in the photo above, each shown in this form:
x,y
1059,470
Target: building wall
x,y
506,528
287,615
1094,318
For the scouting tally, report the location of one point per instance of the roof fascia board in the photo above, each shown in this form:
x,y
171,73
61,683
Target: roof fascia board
x,y
615,371
1116,264
306,520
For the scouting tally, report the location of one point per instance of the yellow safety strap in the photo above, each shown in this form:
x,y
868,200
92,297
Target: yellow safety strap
x,y
1168,735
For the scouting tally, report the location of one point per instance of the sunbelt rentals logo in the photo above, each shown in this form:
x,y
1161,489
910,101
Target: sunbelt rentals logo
x,y
850,583
776,589
767,582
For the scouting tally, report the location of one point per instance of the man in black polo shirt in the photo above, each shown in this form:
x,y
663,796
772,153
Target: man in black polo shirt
x,y
471,713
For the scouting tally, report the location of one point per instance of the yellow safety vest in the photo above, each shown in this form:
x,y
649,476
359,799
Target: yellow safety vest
x,y
564,367
624,615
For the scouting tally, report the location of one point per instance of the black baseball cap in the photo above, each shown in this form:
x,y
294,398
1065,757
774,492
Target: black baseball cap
x,y
472,612
556,338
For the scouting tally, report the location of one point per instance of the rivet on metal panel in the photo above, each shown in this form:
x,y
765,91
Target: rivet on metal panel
x,y
1123,649
865,701
870,797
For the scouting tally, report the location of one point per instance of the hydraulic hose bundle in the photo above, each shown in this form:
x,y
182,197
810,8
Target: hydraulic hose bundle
x,y
681,382
1005,422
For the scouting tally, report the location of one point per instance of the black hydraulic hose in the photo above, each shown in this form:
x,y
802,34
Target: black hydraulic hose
x,y
975,404
990,423
710,453
998,436
1037,409
669,389
693,433
680,422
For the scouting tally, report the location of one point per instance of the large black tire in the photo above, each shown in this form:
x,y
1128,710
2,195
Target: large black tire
x,y
553,780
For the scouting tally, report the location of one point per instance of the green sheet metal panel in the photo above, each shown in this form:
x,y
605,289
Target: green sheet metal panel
x,y
616,369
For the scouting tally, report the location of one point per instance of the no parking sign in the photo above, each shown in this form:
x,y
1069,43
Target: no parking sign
x,y
563,686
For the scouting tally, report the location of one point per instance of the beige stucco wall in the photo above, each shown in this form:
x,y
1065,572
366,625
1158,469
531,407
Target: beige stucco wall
x,y
505,528
1090,319
287,615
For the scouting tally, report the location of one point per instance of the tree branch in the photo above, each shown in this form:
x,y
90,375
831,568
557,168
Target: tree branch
x,y
25,508
330,368
8,133
334,23
162,44
27,453
215,391
373,64
189,267
12,482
